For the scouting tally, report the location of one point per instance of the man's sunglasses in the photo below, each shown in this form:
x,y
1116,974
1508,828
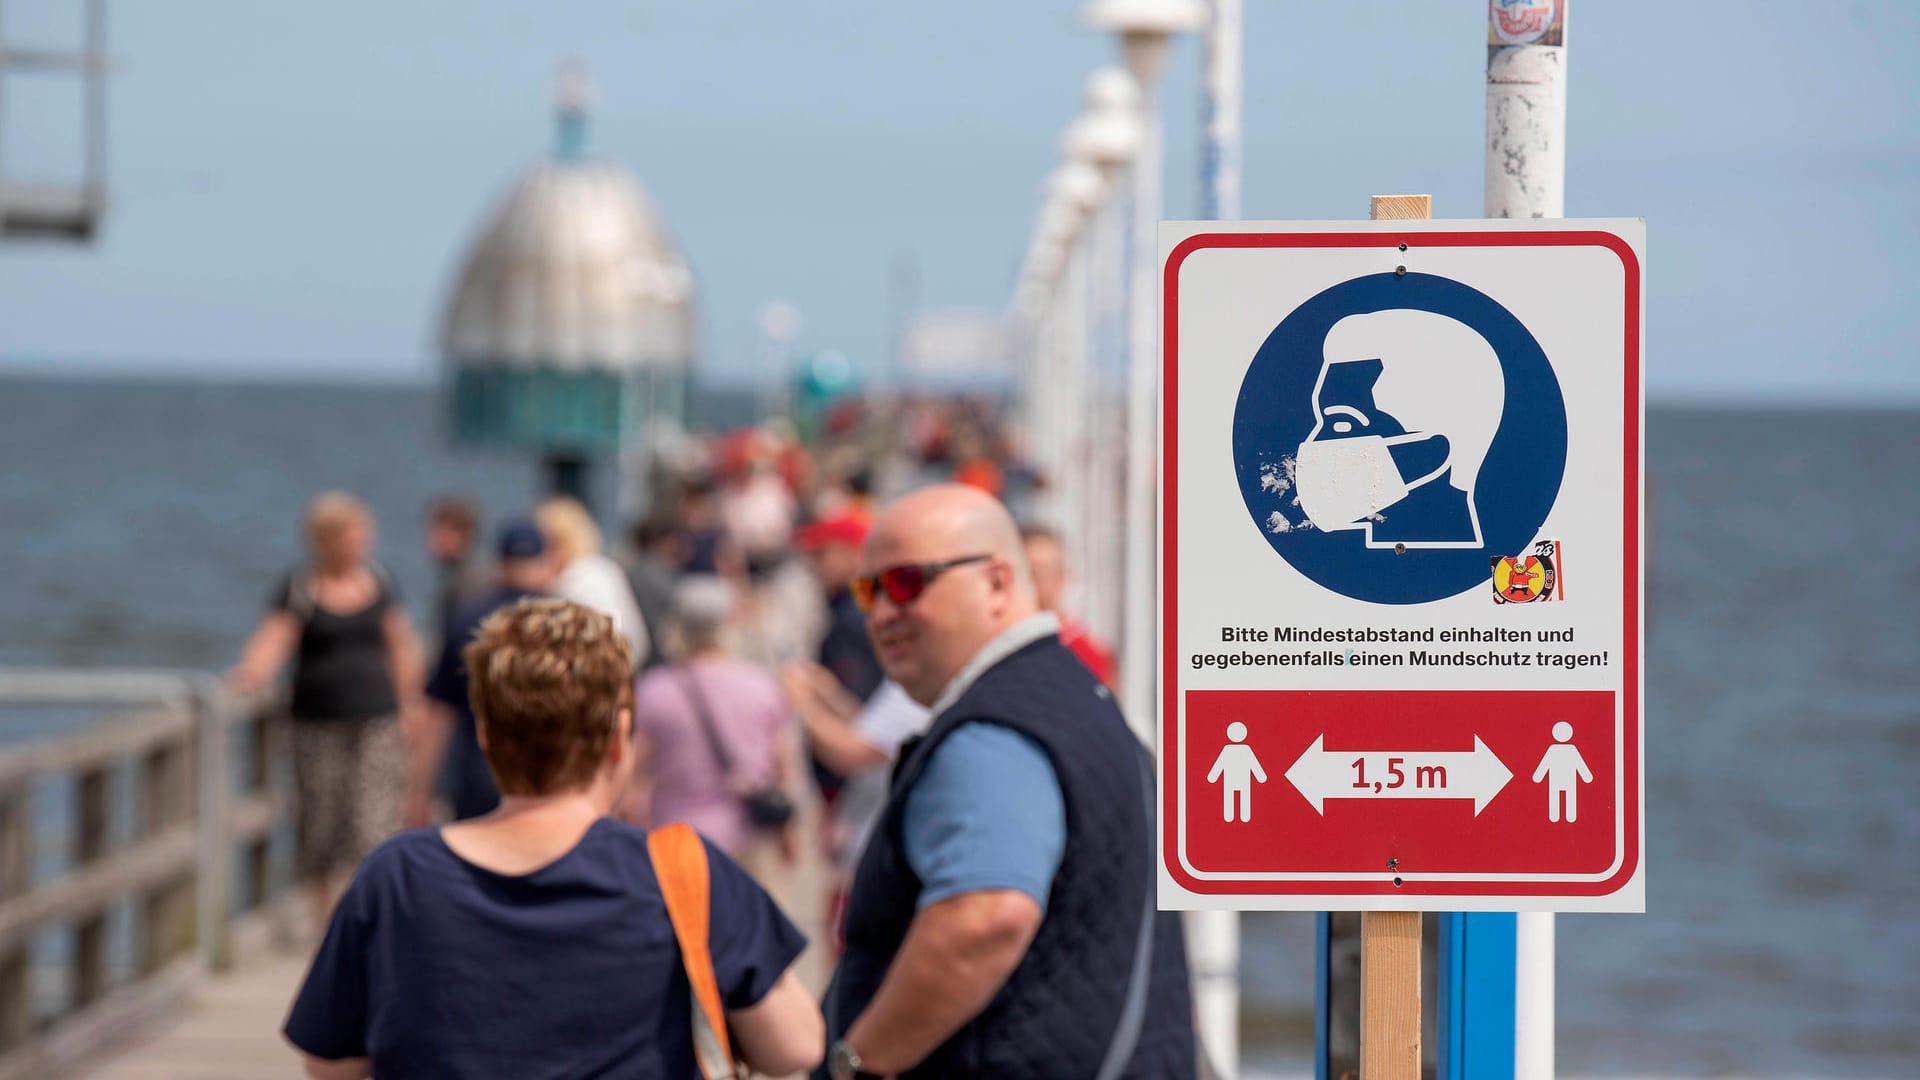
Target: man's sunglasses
x,y
903,584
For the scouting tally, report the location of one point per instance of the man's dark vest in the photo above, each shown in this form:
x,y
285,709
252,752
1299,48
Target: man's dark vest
x,y
1060,1008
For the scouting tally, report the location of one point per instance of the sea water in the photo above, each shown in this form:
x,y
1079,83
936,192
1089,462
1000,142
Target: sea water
x,y
144,525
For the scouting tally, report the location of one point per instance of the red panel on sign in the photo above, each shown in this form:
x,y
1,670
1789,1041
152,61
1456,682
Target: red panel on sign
x,y
1397,775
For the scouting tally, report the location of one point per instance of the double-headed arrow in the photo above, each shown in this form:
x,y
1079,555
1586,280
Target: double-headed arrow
x,y
1477,774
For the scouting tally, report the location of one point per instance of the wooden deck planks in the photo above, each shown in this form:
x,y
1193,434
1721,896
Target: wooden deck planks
x,y
230,1030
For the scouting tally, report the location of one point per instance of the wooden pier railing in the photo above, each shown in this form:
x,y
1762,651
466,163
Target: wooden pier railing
x,y
174,801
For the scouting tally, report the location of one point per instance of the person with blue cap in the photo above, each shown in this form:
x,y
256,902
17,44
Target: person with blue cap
x,y
453,758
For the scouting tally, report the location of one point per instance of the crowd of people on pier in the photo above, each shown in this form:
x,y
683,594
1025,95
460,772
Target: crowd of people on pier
x,y
842,664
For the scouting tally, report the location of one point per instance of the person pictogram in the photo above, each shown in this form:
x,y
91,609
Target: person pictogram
x,y
1235,770
1560,766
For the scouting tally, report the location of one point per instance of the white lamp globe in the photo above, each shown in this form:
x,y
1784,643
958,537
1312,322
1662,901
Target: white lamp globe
x,y
1111,89
1078,186
1106,139
1145,26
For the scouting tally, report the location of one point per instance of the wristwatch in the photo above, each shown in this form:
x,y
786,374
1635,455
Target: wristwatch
x,y
843,1063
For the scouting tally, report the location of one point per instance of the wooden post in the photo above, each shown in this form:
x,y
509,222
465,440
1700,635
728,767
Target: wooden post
x,y
1390,995
166,911
1390,940
16,876
1402,207
263,729
91,790
213,880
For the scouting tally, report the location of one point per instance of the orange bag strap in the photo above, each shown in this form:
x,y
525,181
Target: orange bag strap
x,y
680,863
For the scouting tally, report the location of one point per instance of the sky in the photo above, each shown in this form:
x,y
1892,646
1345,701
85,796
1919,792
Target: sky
x,y
293,185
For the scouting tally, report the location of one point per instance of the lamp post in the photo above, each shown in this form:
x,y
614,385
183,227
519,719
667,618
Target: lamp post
x,y
1054,234
1526,176
779,326
1145,29
1106,136
1034,300
1081,189
1220,150
659,400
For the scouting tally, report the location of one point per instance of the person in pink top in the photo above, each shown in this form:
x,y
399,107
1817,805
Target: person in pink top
x,y
714,736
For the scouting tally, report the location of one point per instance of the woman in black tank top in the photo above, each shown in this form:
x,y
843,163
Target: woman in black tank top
x,y
356,673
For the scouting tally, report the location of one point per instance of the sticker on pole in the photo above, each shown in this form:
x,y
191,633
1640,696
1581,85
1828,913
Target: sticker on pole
x,y
1401,565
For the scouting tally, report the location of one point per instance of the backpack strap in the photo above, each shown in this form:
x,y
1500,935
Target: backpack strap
x,y
680,863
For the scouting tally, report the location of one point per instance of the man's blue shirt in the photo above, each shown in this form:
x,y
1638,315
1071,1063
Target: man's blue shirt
x,y
465,778
987,813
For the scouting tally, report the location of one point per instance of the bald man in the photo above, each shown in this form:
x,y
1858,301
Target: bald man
x,y
1002,919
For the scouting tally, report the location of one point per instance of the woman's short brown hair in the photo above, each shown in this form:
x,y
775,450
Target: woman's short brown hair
x,y
547,679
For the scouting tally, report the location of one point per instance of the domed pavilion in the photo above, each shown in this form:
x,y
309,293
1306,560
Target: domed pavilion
x,y
570,329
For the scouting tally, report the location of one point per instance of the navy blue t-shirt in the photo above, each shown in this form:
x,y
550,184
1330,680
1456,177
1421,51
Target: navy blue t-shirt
x,y
435,967
847,651
465,778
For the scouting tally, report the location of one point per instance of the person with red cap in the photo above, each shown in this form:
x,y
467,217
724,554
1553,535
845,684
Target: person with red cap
x,y
832,547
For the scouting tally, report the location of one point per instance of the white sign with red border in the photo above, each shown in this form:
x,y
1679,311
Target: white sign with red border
x,y
1401,565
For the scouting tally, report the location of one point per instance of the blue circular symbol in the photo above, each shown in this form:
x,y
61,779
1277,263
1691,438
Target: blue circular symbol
x,y
1397,432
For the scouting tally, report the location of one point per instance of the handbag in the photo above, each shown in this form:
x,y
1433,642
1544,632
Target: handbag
x,y
768,806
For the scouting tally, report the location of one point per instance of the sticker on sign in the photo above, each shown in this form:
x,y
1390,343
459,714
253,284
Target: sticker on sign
x,y
1383,444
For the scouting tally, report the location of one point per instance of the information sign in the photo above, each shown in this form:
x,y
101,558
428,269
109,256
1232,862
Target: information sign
x,y
1401,565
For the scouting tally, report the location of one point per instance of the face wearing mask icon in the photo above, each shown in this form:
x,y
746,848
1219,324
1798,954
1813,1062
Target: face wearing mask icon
x,y
1404,408
1345,481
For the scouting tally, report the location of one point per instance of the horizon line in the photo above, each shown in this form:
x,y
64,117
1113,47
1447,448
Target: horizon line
x,y
53,370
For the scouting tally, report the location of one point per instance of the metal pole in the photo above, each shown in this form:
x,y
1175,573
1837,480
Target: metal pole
x,y
1031,327
3,101
1070,412
1101,570
94,72
1527,117
1526,178
1040,403
1213,954
1138,625
779,328
1533,995
1033,418
1214,936
1220,156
